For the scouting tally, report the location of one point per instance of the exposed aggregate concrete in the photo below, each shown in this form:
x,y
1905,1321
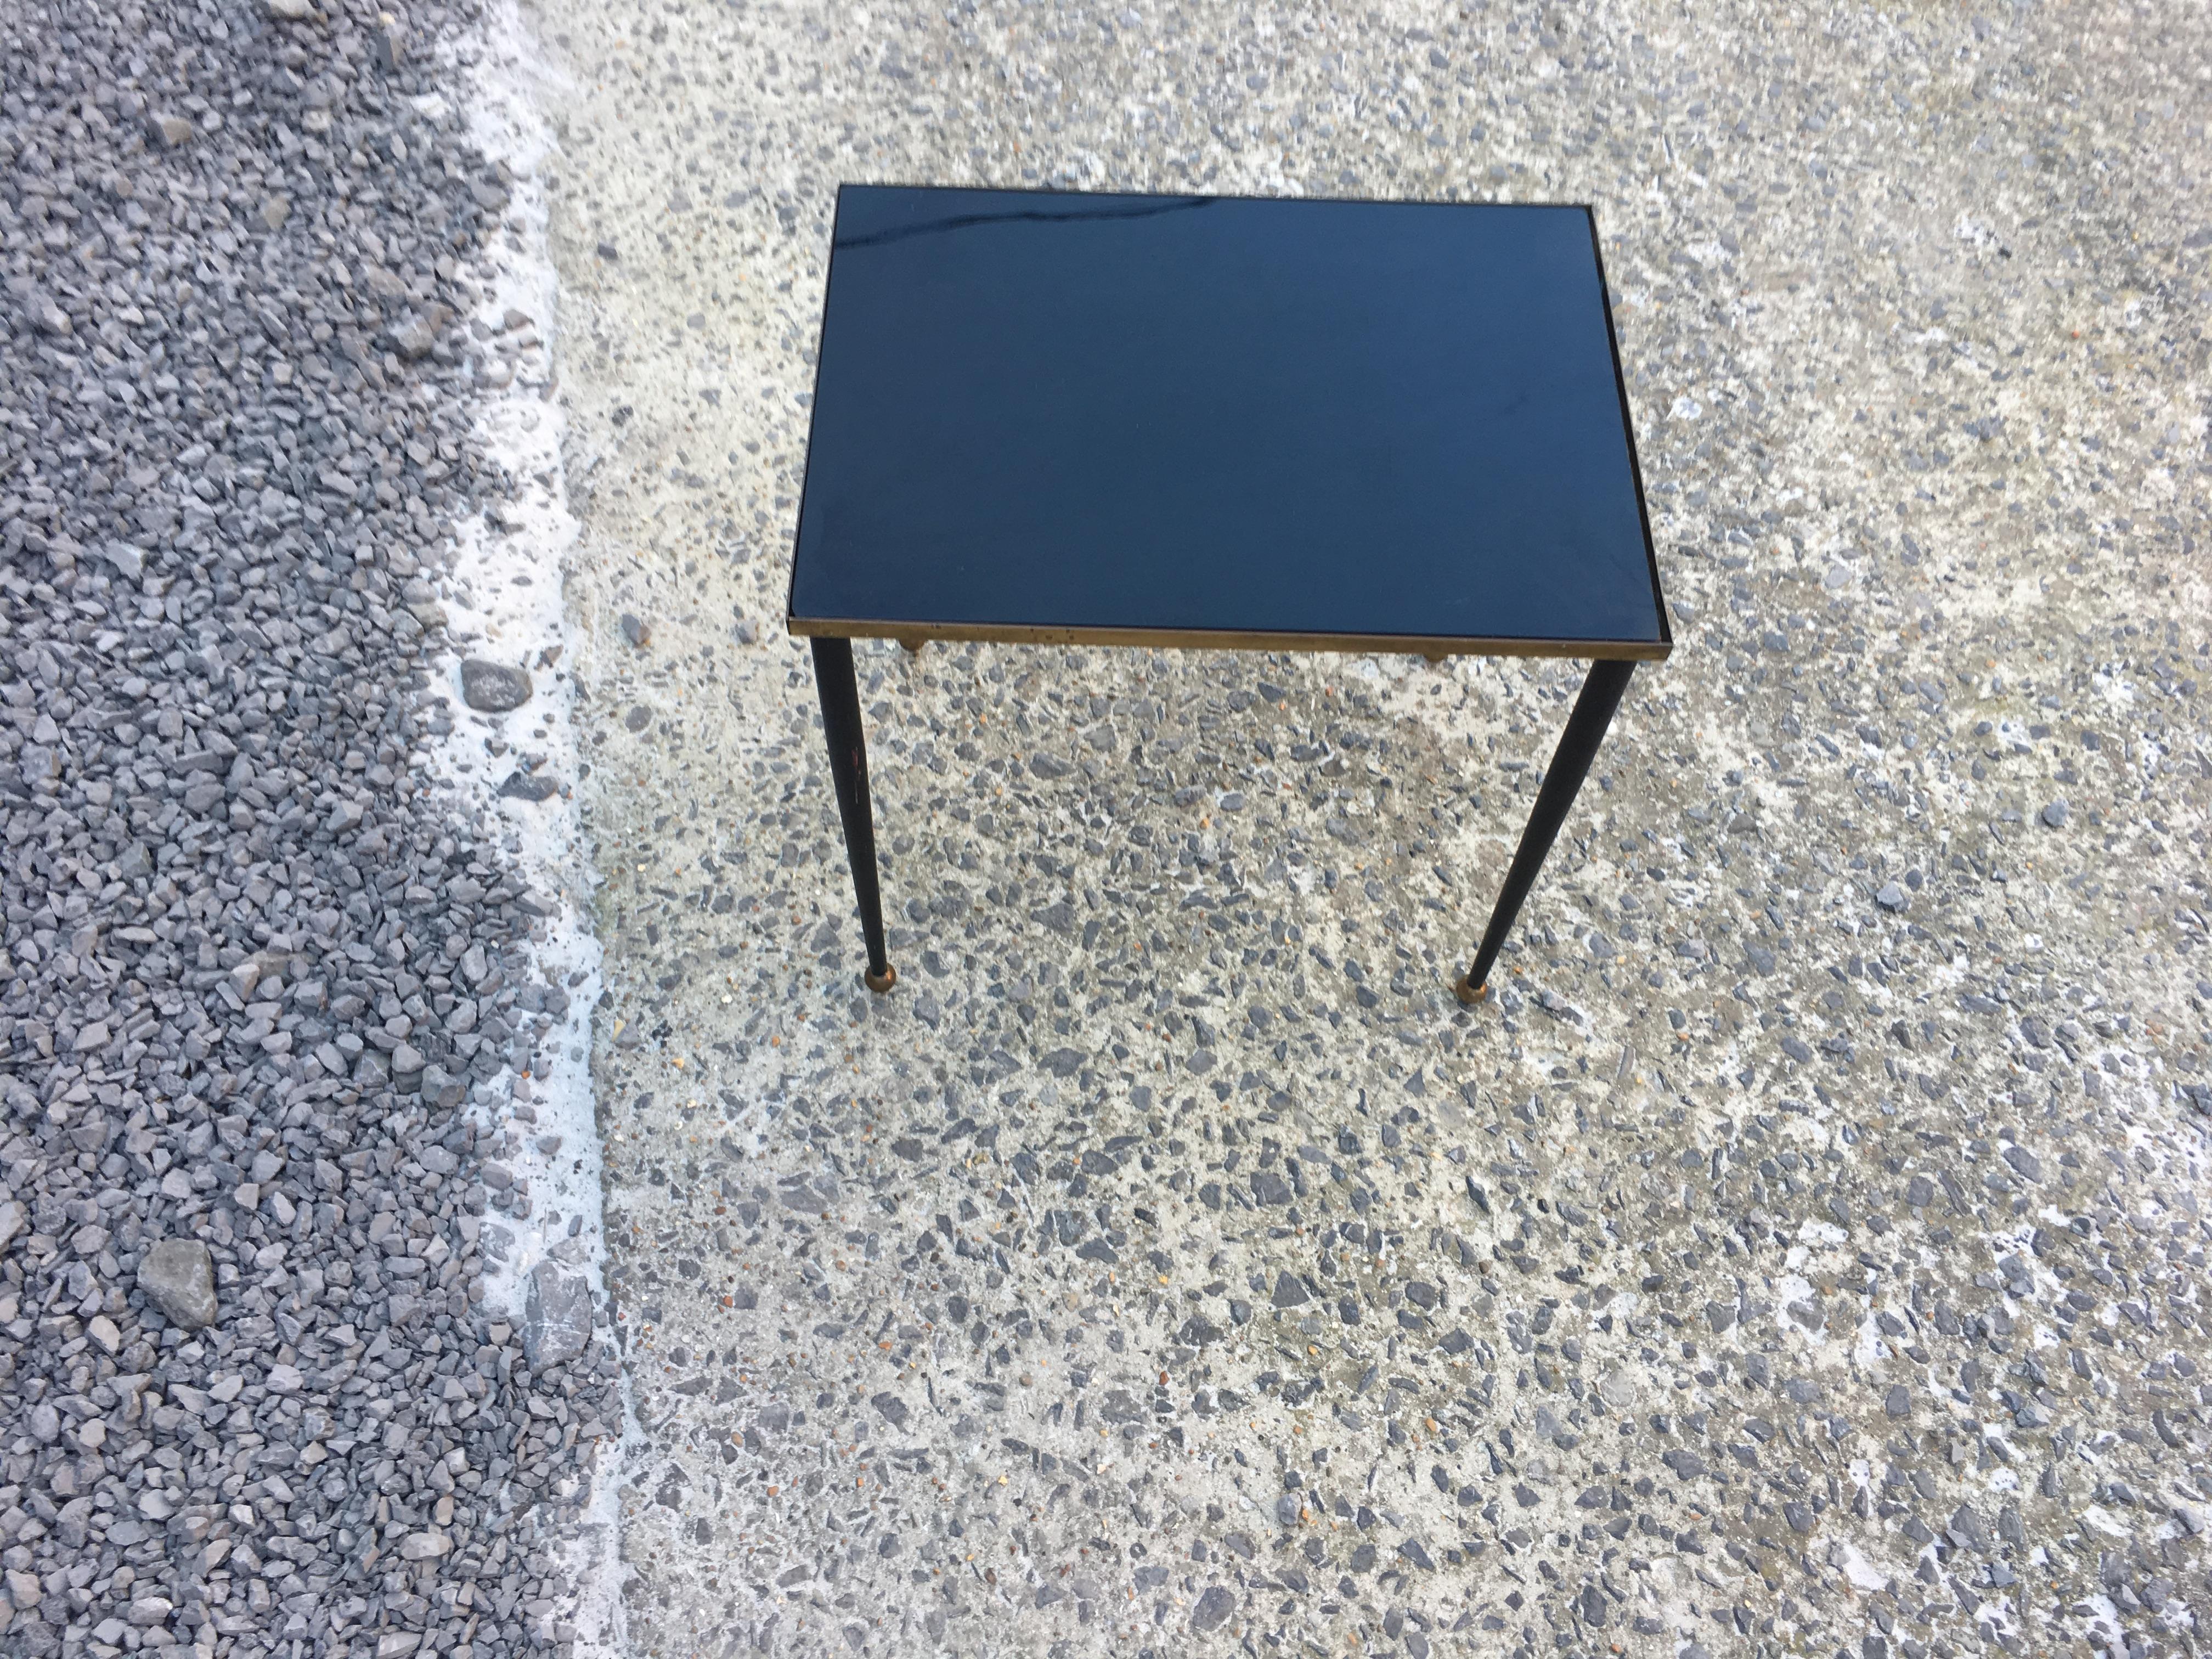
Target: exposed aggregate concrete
x,y
1805,1252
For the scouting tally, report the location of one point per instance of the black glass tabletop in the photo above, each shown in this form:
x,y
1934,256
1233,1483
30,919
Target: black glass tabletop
x,y
1208,420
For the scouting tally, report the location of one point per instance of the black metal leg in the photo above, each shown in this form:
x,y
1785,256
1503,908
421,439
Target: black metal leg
x,y
848,768
1570,762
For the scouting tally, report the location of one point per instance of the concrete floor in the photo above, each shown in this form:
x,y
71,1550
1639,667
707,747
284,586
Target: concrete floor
x,y
1804,1254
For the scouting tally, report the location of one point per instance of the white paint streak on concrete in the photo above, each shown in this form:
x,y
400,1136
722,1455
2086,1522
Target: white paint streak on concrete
x,y
504,603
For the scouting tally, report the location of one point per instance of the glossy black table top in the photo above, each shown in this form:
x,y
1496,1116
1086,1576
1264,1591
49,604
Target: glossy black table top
x,y
1207,420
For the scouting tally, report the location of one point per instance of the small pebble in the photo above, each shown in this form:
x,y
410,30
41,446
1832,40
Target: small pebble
x,y
178,1277
388,40
493,688
50,317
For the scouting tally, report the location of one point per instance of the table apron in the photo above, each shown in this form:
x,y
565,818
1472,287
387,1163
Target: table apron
x,y
1232,639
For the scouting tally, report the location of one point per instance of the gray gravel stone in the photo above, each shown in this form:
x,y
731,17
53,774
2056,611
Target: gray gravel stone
x,y
493,688
387,38
1214,1605
416,336
167,131
557,1317
892,1409
178,1277
524,786
49,317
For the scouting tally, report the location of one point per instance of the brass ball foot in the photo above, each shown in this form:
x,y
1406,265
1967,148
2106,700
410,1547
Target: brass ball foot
x,y
1469,994
880,984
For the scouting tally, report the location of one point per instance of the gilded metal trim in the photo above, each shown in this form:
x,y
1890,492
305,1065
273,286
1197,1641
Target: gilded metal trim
x,y
1225,638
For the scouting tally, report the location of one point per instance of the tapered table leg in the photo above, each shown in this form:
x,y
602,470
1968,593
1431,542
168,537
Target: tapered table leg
x,y
840,692
1570,762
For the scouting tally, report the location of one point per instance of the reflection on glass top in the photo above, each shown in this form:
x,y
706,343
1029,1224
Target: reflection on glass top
x,y
1035,409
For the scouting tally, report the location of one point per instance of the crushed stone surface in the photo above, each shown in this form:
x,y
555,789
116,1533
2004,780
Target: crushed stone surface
x,y
271,1004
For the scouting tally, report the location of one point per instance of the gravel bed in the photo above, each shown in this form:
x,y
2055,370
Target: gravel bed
x,y
264,999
